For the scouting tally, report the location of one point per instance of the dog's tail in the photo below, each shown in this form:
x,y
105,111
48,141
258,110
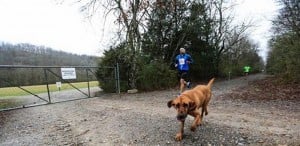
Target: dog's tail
x,y
211,82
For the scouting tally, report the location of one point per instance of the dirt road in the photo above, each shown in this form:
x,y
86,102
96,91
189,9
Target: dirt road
x,y
145,119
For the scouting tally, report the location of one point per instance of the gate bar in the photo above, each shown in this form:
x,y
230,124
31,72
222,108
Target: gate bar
x,y
67,82
28,91
29,66
47,84
32,93
35,105
45,70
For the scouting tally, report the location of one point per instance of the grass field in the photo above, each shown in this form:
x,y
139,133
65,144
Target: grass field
x,y
15,91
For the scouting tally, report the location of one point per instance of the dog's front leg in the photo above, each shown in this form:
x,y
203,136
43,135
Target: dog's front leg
x,y
197,119
179,135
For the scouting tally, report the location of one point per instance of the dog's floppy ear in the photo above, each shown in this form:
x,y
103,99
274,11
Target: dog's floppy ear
x,y
192,105
170,103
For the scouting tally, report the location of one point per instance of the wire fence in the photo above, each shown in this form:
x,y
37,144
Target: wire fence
x,y
27,86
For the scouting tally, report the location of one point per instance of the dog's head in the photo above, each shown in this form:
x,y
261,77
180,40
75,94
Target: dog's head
x,y
183,105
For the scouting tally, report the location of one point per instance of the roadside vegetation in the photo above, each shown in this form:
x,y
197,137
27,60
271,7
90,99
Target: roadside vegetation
x,y
156,30
152,32
283,60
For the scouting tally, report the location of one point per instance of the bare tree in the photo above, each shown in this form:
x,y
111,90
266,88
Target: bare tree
x,y
289,18
130,15
225,34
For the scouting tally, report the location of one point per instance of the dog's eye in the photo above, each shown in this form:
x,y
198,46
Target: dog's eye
x,y
177,105
185,105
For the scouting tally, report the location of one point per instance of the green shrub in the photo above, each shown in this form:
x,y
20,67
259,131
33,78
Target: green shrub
x,y
156,76
106,76
152,75
283,60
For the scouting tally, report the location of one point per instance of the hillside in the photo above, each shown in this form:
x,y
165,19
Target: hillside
x,y
27,54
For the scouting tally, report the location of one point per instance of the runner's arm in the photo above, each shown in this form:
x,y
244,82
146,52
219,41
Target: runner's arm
x,y
191,61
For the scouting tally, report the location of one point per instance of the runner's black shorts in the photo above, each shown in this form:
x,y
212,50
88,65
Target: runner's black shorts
x,y
184,74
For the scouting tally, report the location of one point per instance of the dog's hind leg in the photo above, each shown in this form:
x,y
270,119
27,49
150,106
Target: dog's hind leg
x,y
204,109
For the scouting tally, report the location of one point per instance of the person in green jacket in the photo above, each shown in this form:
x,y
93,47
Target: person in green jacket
x,y
246,69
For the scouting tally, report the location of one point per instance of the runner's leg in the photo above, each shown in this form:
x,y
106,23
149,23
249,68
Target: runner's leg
x,y
182,83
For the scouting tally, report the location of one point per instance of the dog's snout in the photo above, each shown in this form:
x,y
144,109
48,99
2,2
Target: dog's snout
x,y
181,117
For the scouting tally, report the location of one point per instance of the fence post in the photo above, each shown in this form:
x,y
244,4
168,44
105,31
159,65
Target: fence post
x,y
88,81
118,71
117,78
46,77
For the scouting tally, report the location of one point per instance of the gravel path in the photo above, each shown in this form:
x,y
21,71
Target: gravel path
x,y
145,119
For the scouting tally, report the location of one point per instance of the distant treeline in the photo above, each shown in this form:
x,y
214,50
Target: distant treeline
x,y
27,54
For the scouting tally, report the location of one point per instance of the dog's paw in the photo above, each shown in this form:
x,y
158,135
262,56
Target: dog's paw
x,y
193,128
178,137
199,122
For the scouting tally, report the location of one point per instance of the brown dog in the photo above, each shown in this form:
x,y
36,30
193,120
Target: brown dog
x,y
189,103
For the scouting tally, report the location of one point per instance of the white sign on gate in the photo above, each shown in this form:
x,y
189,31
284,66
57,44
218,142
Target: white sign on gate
x,y
58,84
68,73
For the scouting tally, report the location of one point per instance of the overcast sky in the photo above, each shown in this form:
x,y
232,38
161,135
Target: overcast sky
x,y
261,12
48,23
63,27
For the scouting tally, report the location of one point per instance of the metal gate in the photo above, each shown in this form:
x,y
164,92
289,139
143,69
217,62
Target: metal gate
x,y
27,86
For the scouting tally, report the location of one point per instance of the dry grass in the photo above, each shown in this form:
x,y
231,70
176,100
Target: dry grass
x,y
15,91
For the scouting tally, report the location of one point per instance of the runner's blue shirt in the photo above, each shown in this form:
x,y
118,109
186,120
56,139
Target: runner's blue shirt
x,y
181,61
